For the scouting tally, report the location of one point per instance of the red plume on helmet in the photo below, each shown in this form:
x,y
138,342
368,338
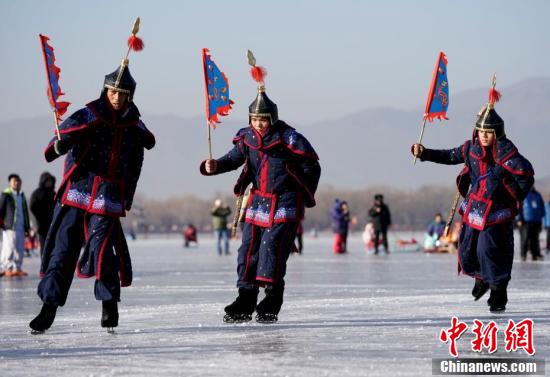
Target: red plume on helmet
x,y
121,80
488,119
258,73
262,105
135,43
494,94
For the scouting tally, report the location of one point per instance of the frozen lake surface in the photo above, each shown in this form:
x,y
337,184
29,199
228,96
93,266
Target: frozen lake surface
x,y
344,315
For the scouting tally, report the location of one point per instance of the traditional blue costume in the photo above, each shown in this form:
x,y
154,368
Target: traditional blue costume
x,y
493,182
283,169
105,150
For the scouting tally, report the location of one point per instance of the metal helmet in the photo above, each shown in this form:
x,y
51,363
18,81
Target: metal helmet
x,y
121,79
487,118
262,106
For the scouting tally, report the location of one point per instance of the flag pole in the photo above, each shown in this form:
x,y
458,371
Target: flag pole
x,y
421,136
204,51
209,140
56,122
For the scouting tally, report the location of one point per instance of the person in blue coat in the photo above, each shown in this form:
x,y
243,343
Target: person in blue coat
x,y
494,181
436,227
340,225
284,171
434,232
530,221
104,145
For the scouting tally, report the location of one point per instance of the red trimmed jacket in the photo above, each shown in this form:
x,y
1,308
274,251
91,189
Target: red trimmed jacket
x,y
283,168
104,160
494,180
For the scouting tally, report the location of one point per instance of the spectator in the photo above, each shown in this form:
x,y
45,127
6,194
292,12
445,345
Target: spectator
x,y
381,218
340,225
42,206
219,223
14,221
530,224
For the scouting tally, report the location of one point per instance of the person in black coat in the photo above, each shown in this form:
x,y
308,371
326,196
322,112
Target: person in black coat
x,y
42,206
381,218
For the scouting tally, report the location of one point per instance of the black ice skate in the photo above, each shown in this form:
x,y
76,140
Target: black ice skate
x,y
497,300
242,308
109,315
268,309
43,320
480,288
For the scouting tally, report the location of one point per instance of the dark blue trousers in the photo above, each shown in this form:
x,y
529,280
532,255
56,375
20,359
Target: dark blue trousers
x,y
487,254
263,255
70,230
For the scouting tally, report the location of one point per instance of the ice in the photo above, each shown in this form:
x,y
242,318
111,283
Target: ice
x,y
344,315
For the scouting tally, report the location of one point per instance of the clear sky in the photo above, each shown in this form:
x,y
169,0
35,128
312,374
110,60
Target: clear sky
x,y
324,58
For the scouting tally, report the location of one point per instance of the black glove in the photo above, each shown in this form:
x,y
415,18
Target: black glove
x,y
61,146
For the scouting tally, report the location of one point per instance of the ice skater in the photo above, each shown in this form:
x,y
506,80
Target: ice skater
x,y
284,171
104,143
494,181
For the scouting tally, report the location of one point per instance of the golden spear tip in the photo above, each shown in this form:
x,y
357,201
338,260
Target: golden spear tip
x,y
251,58
135,28
494,80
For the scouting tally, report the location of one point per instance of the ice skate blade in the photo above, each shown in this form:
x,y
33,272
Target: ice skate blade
x,y
266,318
110,330
37,332
497,310
480,293
242,318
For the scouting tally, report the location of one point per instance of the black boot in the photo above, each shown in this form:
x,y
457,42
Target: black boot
x,y
109,315
268,309
498,299
480,288
44,319
242,308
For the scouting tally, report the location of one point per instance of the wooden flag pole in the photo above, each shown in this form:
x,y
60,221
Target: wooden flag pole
x,y
56,122
209,141
420,139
